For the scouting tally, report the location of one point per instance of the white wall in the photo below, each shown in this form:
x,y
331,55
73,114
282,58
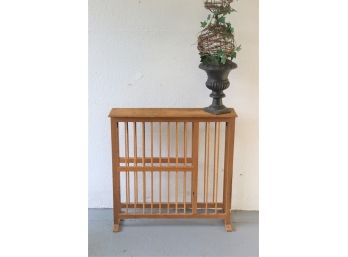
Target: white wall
x,y
142,53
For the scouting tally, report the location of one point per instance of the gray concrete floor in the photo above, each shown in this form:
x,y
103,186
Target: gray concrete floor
x,y
163,237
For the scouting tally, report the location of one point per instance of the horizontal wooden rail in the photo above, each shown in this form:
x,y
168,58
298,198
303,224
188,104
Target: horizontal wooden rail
x,y
156,160
172,205
155,168
173,216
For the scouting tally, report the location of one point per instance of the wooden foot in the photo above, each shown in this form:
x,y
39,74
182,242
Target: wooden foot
x,y
228,224
228,227
116,228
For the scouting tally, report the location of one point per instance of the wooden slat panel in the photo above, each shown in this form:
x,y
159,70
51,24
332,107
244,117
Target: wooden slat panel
x,y
206,209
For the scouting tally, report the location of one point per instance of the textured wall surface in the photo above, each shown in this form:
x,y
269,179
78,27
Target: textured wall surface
x,y
142,53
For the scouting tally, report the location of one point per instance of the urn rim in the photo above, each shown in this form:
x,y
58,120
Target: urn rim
x,y
228,65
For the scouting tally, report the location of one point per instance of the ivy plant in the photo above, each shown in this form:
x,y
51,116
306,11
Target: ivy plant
x,y
219,18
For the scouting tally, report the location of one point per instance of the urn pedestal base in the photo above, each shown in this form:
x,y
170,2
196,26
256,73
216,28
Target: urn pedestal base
x,y
217,107
213,110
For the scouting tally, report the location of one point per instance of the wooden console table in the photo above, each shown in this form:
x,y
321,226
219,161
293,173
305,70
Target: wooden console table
x,y
166,164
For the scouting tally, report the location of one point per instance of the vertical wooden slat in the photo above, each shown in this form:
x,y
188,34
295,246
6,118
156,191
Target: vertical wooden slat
x,y
160,164
143,164
216,163
151,166
127,165
226,159
135,164
208,161
185,163
168,143
195,141
205,168
115,174
176,165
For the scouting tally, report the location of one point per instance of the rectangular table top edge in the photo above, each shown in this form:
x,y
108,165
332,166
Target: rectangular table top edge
x,y
167,113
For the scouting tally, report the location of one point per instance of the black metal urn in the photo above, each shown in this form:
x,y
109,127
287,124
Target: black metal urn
x,y
217,82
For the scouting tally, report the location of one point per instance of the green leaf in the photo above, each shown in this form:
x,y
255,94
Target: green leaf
x,y
221,19
239,48
210,59
233,55
229,28
209,17
203,24
223,59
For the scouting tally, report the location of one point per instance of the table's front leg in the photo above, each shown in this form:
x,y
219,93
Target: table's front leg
x,y
115,175
228,173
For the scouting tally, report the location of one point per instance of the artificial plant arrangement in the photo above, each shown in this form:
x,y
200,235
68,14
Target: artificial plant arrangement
x,y
217,50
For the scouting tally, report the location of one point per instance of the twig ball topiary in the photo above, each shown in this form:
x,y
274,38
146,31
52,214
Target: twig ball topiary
x,y
214,39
